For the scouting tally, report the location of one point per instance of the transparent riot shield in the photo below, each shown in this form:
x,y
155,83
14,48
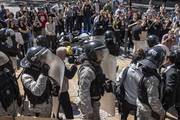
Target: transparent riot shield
x,y
57,73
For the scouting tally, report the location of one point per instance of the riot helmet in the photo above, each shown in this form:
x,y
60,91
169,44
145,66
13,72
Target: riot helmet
x,y
90,48
111,44
109,38
155,57
34,56
152,40
108,35
5,33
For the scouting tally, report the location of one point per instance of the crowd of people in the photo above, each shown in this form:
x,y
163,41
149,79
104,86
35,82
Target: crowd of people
x,y
29,39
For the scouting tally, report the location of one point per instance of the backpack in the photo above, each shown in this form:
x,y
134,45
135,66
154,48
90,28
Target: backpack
x,y
120,90
97,85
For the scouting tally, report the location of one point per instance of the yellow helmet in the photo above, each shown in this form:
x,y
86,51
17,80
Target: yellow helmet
x,y
69,51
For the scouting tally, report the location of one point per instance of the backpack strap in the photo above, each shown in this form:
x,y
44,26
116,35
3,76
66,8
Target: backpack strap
x,y
120,91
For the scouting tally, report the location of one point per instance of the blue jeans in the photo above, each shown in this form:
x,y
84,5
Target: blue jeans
x,y
87,24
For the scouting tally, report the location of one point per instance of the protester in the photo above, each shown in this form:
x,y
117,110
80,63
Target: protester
x,y
50,30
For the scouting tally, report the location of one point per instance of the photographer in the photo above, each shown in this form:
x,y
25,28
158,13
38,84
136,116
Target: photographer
x,y
38,86
11,21
64,98
99,24
155,26
169,39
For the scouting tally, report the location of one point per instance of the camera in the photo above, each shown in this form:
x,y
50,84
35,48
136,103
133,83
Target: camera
x,y
75,58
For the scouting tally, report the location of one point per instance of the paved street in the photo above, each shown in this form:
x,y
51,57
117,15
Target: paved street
x,y
73,92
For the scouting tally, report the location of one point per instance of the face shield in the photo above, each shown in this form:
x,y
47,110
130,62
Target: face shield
x,y
56,66
167,51
3,59
100,54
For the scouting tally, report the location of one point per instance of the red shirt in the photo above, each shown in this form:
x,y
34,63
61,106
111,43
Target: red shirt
x,y
42,18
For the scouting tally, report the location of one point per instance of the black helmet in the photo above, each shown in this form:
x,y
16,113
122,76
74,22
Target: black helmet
x,y
91,47
109,41
152,40
111,44
155,57
175,57
108,35
33,56
5,33
42,41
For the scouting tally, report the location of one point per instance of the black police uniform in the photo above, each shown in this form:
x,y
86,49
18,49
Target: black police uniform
x,y
9,90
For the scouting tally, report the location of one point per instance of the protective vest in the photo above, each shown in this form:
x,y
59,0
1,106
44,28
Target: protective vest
x,y
9,90
97,85
142,94
142,91
47,92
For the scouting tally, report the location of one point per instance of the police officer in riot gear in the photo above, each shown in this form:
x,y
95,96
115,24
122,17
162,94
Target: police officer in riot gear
x,y
171,78
9,90
149,106
8,43
38,86
91,80
110,43
109,67
152,40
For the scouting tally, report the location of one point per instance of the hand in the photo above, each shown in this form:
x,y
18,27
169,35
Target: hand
x,y
45,69
109,86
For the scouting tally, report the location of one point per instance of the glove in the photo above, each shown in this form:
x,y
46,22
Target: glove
x,y
55,87
109,86
55,90
71,60
45,69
